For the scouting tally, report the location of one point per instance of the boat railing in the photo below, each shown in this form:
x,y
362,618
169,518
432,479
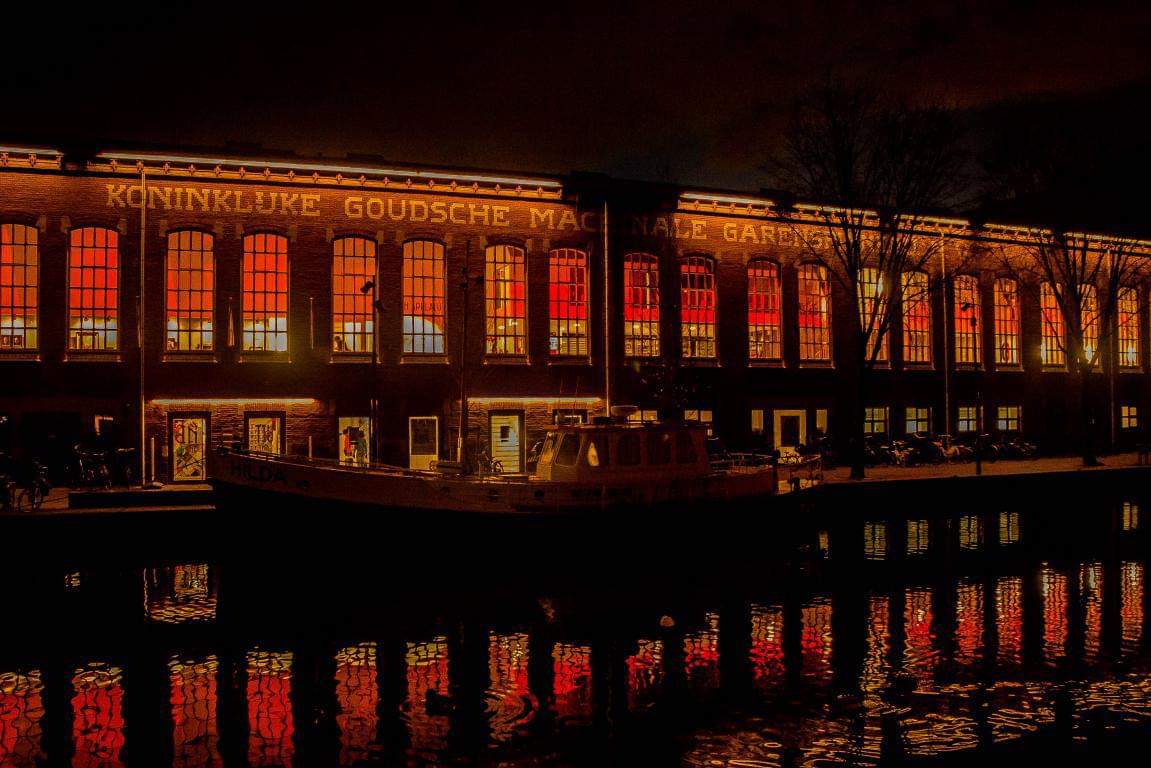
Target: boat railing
x,y
371,466
740,461
801,471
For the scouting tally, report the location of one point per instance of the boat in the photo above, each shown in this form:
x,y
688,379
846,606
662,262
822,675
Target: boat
x,y
609,464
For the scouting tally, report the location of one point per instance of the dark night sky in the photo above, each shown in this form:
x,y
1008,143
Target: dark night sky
x,y
691,92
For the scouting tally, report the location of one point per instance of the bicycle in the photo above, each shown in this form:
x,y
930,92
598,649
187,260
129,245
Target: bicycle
x,y
484,464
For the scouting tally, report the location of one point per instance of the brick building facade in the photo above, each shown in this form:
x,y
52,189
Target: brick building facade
x,y
360,322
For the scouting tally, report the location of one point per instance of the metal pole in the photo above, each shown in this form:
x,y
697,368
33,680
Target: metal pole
x,y
946,343
606,316
462,430
140,321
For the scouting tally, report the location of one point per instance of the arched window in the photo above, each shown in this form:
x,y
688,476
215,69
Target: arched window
x,y
1054,335
916,318
968,310
1127,315
1089,322
873,297
425,295
764,329
814,313
93,289
505,300
697,307
1006,296
265,293
353,291
640,305
190,285
19,288
567,302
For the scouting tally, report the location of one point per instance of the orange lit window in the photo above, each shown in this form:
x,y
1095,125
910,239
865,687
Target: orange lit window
x,y
814,313
764,332
1051,349
425,289
505,301
1006,296
567,302
872,312
1127,308
1089,322
190,284
353,291
968,346
265,293
19,287
641,305
697,306
916,318
93,289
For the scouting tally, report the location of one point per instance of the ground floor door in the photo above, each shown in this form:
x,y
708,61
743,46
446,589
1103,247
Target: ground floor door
x,y
188,440
506,431
423,441
790,429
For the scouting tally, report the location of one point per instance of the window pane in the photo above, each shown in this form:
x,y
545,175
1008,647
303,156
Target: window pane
x,y
189,299
814,313
567,302
916,318
1051,346
265,293
697,307
19,287
641,305
764,331
968,346
93,289
505,301
1127,310
425,297
1006,294
872,312
1089,322
353,295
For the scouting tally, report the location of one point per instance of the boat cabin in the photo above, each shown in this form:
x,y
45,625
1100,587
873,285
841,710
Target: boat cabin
x,y
617,451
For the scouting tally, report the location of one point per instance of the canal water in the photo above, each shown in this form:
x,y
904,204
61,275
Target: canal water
x,y
919,634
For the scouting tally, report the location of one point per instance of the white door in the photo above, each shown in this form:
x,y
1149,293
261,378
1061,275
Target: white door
x,y
423,441
790,429
506,440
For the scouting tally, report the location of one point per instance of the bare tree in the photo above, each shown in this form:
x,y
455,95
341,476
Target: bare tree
x,y
880,169
1086,278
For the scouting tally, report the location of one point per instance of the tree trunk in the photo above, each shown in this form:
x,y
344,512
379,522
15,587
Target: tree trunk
x,y
1088,442
857,454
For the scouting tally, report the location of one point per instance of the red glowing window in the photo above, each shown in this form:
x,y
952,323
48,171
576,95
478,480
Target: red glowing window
x,y
640,305
353,292
873,312
764,329
265,288
697,307
1051,345
505,300
1006,296
19,287
567,302
1089,323
189,292
968,308
425,292
814,313
93,289
916,318
1127,311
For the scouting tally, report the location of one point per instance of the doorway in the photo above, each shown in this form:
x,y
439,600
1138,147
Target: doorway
x,y
188,438
506,431
423,441
790,429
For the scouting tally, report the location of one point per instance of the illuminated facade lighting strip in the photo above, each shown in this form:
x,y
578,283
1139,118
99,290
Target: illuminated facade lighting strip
x,y
168,401
701,197
488,399
334,169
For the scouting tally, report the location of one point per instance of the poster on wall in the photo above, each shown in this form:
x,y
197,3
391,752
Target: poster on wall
x,y
265,434
188,437
423,441
355,437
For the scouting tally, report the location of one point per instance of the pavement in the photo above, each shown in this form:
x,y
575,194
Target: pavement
x,y
1002,467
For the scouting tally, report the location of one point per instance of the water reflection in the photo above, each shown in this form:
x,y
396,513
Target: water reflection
x,y
943,642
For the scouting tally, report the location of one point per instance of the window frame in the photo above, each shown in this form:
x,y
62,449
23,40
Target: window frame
x,y
1009,415
207,251
364,336
824,341
870,290
558,320
924,302
648,344
973,357
698,298
106,350
1053,329
1130,332
246,314
495,343
1128,416
921,416
440,254
762,304
1007,323
870,421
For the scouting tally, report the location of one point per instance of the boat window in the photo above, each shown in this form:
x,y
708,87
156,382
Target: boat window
x,y
658,448
628,449
568,451
548,446
597,453
684,448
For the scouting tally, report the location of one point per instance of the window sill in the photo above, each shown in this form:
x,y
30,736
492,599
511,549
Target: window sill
x,y
1054,369
696,362
189,357
583,362
1009,368
973,367
1130,370
918,367
507,360
92,357
411,359
346,358
263,357
766,364
817,364
24,357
